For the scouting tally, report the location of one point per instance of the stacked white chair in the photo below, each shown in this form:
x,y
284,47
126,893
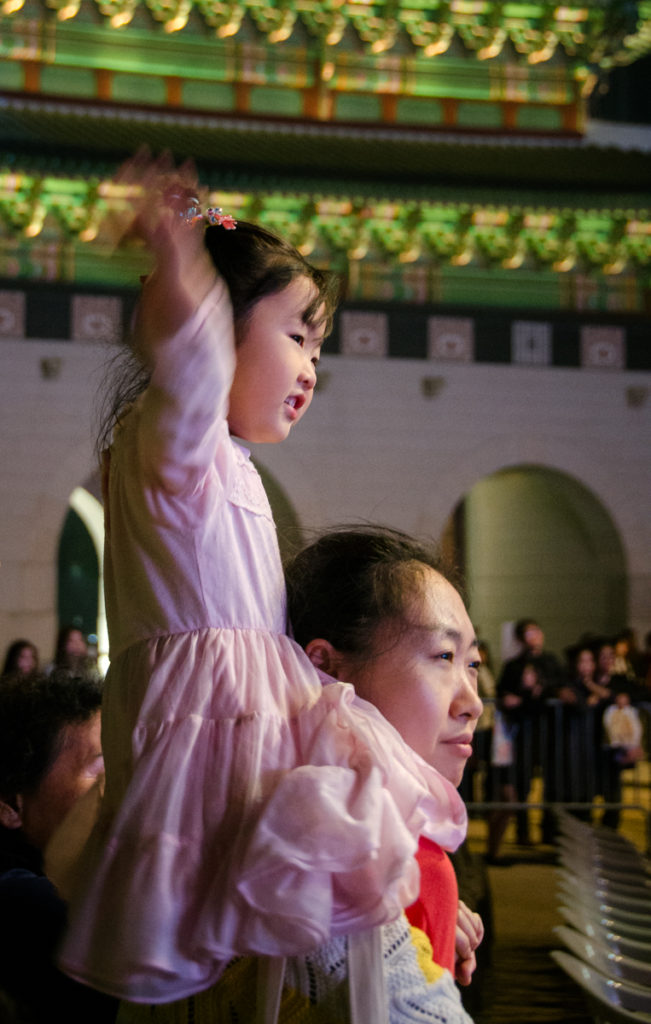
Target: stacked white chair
x,y
610,1001
604,888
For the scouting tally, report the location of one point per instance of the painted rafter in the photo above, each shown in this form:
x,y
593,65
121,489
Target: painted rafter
x,y
603,237
594,33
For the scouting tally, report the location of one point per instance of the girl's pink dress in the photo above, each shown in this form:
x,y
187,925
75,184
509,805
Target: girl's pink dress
x,y
249,808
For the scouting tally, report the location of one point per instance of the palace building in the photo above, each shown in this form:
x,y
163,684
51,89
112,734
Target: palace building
x,y
487,381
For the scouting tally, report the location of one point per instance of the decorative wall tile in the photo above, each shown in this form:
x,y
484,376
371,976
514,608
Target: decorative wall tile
x,y
603,348
364,334
531,343
96,318
12,314
451,338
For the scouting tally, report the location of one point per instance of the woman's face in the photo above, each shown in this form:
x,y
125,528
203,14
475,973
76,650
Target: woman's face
x,y
76,768
425,681
26,660
606,658
75,643
585,664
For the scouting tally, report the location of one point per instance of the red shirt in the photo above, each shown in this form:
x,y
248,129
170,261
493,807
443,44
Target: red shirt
x,y
435,910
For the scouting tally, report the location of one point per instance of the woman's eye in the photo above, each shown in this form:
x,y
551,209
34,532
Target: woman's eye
x,y
475,665
445,656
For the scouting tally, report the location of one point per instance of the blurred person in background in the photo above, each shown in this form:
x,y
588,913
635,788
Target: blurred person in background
x,y
21,659
50,756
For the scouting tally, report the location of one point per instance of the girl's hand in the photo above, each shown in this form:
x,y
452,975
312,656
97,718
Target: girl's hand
x,y
156,195
470,932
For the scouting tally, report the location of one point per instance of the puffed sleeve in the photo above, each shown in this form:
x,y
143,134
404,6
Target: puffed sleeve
x,y
184,408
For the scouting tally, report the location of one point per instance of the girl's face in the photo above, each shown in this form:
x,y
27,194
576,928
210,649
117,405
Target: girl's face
x,y
529,677
275,370
425,683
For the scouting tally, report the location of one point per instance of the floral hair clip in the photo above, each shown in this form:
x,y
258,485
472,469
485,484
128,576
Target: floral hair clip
x,y
214,215
186,205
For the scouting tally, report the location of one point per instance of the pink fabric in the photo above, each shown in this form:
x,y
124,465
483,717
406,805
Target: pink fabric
x,y
248,807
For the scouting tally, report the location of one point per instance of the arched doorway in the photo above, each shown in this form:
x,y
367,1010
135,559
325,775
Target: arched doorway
x,y
80,586
77,576
535,541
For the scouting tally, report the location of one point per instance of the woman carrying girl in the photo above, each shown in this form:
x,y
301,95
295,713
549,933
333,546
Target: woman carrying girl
x,y
248,808
370,605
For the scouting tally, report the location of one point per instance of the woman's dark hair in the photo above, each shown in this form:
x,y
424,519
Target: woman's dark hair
x,y
254,263
62,658
530,665
33,714
522,626
348,581
13,653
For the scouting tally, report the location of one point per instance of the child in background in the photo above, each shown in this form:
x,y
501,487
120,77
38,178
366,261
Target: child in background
x,y
248,808
623,727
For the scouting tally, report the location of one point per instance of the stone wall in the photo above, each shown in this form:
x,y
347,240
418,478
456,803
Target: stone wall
x,y
381,443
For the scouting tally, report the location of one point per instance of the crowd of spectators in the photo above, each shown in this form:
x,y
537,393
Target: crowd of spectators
x,y
576,723
72,657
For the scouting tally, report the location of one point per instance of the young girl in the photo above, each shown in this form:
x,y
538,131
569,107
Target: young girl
x,y
248,808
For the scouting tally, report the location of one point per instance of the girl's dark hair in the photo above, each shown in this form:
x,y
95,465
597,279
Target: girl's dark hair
x,y
33,715
343,585
254,263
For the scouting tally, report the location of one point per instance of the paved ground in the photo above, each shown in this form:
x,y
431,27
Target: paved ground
x,y
521,984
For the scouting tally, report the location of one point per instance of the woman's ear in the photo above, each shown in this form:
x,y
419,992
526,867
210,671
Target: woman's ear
x,y
323,655
11,817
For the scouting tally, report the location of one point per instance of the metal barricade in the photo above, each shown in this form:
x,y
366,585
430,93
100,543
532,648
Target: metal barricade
x,y
561,758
